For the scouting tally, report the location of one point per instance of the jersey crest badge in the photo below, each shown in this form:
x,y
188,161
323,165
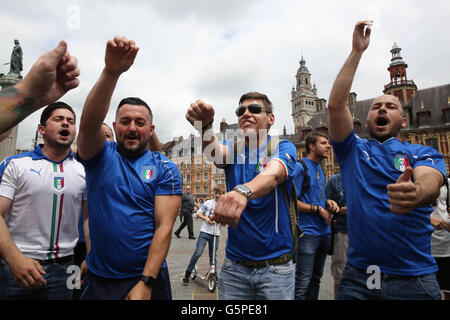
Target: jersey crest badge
x,y
262,164
58,183
148,173
401,161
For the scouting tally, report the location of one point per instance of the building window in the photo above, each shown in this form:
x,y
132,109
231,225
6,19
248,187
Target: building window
x,y
423,118
447,115
197,189
205,177
198,176
433,142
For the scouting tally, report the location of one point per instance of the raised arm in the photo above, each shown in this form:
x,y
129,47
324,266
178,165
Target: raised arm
x,y
201,116
119,57
51,76
339,116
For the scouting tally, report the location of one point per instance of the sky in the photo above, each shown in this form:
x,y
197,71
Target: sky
x,y
218,50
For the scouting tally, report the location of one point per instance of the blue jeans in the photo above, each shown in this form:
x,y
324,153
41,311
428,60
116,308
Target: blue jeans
x,y
354,286
203,238
239,282
311,255
56,288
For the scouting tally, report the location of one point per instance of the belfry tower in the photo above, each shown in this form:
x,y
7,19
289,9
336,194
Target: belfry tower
x,y
399,86
305,102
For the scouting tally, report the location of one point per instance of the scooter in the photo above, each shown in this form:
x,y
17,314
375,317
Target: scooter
x,y
210,276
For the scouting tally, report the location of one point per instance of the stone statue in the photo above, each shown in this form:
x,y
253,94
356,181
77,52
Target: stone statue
x,y
16,59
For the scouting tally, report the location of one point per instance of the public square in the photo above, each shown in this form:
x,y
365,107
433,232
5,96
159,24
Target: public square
x,y
181,250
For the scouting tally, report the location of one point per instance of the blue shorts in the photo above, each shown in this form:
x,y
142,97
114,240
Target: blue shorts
x,y
99,288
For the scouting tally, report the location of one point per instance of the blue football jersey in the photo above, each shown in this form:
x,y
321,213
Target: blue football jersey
x,y
398,244
263,231
121,193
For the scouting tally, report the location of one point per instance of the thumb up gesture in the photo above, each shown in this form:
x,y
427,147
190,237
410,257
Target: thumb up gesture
x,y
403,193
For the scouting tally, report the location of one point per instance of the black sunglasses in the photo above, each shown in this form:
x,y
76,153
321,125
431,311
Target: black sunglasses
x,y
253,108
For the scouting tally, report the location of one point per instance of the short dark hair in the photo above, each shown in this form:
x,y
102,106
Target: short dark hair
x,y
260,96
311,138
136,102
52,107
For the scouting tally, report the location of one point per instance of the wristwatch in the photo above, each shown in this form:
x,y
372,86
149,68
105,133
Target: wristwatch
x,y
149,281
244,190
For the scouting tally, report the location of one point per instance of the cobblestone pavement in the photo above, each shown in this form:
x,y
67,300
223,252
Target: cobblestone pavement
x,y
180,252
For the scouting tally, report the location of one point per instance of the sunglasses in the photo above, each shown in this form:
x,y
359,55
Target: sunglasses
x,y
254,108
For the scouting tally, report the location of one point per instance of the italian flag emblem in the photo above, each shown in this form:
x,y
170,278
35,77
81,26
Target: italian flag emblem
x,y
401,162
147,173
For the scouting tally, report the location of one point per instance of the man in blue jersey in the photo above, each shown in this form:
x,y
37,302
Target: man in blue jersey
x,y
389,188
134,193
315,213
258,263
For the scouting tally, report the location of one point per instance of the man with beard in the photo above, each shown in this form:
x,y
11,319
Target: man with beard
x,y
389,188
314,217
134,194
41,195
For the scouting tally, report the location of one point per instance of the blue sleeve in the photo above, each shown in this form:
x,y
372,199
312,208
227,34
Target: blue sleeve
x,y
169,179
3,166
428,156
342,149
287,155
93,162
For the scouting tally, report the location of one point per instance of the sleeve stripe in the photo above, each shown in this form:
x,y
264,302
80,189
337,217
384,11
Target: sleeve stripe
x,y
283,164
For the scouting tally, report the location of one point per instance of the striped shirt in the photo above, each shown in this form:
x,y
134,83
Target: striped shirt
x,y
46,203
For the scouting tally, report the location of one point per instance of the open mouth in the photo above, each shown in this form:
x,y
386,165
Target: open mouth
x,y
381,121
64,133
132,138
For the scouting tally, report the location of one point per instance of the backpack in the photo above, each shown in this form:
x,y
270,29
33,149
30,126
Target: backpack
x,y
290,198
305,184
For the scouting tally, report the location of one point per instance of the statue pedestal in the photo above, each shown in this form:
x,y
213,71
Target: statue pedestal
x,y
8,146
9,80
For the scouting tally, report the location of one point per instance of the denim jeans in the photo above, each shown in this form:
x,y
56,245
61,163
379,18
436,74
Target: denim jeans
x,y
354,286
56,288
239,282
203,238
311,255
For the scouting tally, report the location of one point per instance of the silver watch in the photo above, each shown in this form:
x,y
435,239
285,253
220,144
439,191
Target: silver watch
x,y
244,190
